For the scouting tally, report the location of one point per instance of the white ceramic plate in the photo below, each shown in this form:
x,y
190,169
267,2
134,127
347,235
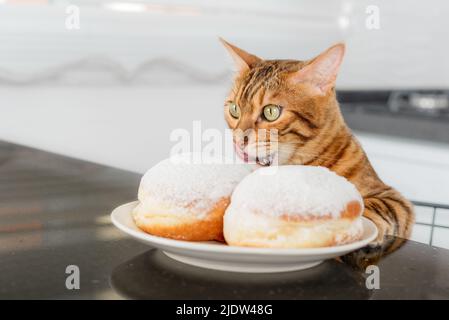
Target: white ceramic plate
x,y
218,256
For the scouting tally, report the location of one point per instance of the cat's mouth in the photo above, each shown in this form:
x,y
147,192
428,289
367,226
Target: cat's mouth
x,y
264,161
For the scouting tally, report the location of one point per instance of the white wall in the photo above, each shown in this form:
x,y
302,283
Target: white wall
x,y
408,51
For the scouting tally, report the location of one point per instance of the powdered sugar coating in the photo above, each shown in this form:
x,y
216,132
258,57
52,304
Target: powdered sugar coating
x,y
186,186
293,190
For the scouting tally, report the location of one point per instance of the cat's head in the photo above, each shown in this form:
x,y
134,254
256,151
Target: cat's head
x,y
291,99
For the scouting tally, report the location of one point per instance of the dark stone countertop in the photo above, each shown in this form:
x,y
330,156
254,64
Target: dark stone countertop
x,y
54,212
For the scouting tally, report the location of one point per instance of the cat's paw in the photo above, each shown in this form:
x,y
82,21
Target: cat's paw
x,y
383,230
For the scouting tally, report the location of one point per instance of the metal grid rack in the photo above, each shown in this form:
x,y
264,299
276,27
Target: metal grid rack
x,y
435,207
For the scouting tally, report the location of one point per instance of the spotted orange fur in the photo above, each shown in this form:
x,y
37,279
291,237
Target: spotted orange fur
x,y
311,129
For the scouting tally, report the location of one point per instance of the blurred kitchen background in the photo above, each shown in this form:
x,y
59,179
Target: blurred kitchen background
x,y
110,87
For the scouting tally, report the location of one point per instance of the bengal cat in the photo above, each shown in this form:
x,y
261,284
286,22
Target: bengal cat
x,y
298,99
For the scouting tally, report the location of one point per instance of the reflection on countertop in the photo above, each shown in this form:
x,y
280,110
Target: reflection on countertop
x,y
54,212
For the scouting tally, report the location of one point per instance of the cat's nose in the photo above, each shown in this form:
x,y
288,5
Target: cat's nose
x,y
239,144
241,141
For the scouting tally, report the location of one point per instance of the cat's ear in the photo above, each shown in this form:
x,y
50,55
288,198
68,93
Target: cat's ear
x,y
322,71
243,60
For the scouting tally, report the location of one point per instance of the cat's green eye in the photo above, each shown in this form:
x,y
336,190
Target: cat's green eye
x,y
271,112
234,110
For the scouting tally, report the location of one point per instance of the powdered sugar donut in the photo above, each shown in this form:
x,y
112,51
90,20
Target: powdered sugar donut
x,y
182,199
293,207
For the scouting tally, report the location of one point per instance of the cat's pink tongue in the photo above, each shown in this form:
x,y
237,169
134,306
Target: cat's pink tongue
x,y
267,161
